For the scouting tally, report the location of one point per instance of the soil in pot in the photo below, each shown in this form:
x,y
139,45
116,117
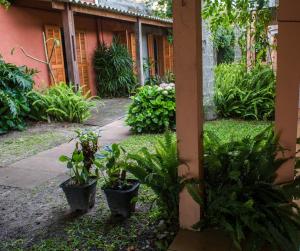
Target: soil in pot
x,y
80,197
121,202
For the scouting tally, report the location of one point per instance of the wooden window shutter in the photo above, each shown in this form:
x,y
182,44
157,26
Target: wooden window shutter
x,y
57,59
82,60
168,55
151,57
132,50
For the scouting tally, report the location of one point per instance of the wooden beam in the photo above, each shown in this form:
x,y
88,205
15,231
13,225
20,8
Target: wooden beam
x,y
289,10
139,51
158,31
156,23
102,13
189,97
288,79
70,45
58,5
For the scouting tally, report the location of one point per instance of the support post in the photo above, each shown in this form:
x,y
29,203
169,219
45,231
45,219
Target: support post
x,y
288,80
187,32
139,51
70,44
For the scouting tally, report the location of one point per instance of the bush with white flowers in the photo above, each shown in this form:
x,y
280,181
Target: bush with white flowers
x,y
153,109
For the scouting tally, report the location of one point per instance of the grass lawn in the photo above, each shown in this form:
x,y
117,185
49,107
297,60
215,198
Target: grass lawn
x,y
144,230
226,130
13,149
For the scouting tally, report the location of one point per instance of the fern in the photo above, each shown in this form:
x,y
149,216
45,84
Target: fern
x,y
240,195
158,170
61,103
242,94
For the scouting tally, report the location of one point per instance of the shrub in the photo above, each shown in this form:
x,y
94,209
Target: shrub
x,y
15,82
224,42
241,197
114,70
153,109
60,103
242,94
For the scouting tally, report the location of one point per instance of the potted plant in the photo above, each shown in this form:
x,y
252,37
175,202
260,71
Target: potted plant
x,y
120,192
80,188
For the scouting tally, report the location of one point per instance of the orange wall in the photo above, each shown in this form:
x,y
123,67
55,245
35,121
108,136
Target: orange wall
x,y
24,27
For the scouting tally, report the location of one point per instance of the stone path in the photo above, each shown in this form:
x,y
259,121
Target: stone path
x,y
36,170
107,111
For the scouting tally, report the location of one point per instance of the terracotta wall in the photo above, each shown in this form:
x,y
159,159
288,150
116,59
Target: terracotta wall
x,y
97,30
24,27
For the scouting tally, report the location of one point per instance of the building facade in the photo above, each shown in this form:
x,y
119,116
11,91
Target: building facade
x,y
66,33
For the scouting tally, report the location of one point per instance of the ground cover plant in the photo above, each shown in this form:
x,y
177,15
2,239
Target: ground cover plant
x,y
15,82
153,109
60,103
242,197
114,70
244,94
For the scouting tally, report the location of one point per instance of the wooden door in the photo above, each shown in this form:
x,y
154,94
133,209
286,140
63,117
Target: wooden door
x,y
151,56
82,60
160,55
53,35
168,55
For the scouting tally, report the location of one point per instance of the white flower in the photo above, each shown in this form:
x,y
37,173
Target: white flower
x,y
163,85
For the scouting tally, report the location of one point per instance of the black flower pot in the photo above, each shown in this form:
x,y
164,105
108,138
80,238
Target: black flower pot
x,y
80,197
121,202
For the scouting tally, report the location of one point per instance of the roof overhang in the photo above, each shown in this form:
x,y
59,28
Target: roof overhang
x,y
109,12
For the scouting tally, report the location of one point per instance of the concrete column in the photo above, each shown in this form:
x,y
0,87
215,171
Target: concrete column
x,y
288,79
139,51
189,99
70,44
